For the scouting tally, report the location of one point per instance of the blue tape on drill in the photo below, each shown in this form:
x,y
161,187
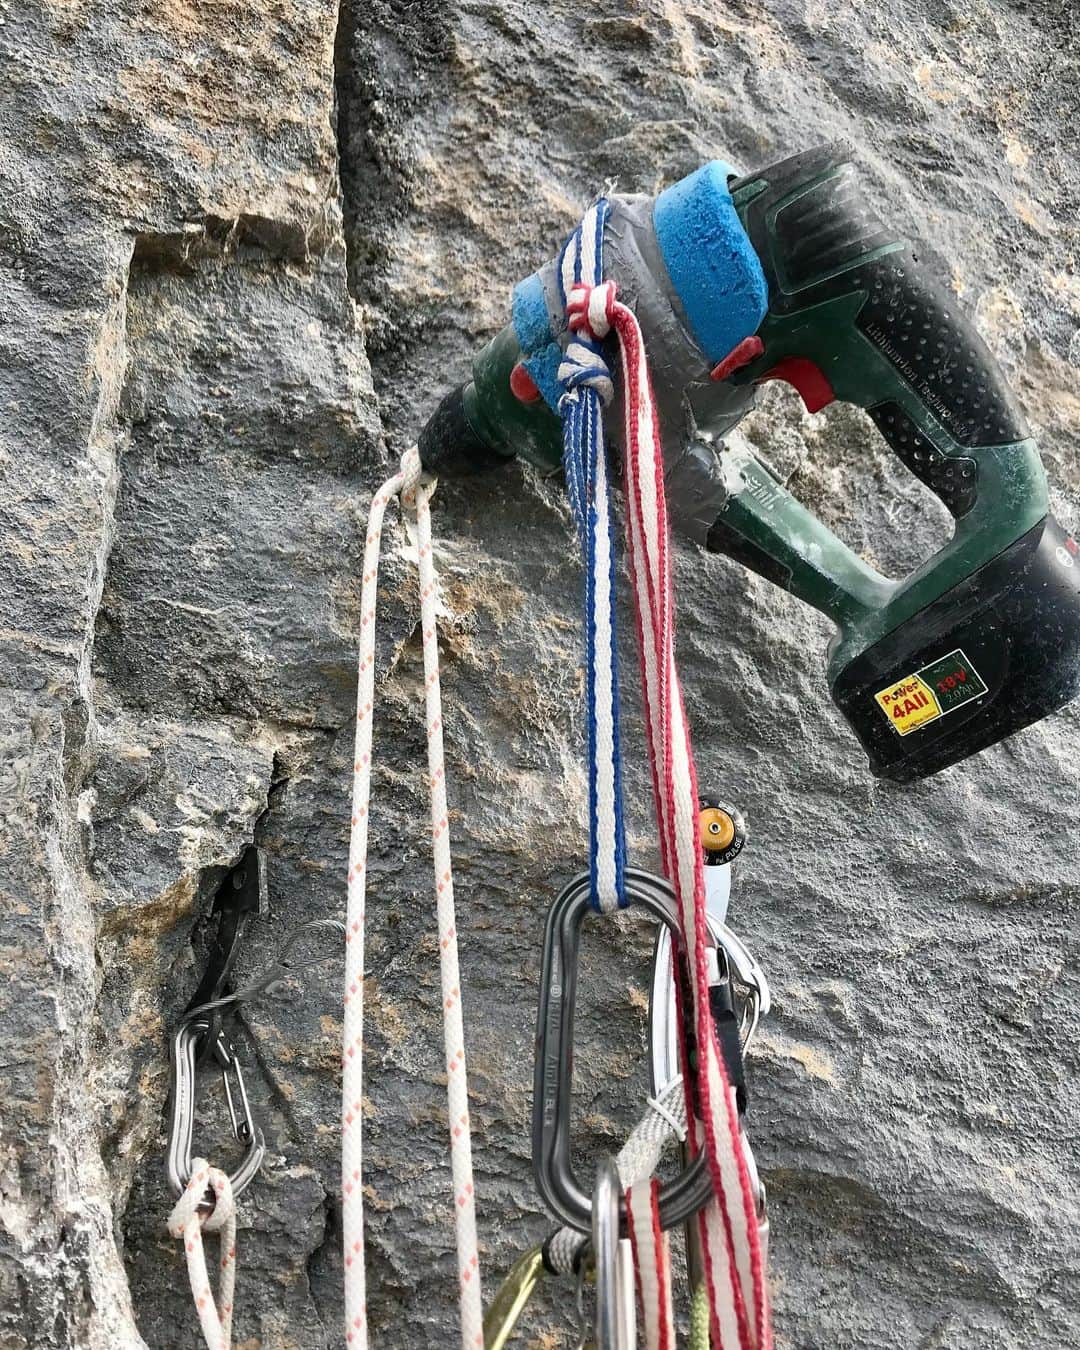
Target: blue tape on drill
x,y
529,314
711,262
543,366
532,324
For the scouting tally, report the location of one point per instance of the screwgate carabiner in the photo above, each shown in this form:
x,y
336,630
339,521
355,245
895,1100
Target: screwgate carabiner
x,y
555,1179
734,964
735,970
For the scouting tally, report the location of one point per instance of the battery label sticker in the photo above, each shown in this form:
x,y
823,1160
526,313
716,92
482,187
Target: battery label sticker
x,y
930,693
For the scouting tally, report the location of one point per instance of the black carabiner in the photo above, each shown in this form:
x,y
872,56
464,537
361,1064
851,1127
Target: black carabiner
x,y
679,1198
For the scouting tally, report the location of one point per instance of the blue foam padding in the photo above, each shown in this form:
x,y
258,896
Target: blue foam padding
x,y
542,366
711,262
532,324
529,313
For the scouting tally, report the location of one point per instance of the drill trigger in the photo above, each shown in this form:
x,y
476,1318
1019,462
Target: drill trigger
x,y
802,374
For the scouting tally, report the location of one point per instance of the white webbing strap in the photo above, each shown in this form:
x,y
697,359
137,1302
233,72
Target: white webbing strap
x,y
415,497
652,1264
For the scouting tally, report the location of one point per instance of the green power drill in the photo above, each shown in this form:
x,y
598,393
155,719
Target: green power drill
x,y
789,274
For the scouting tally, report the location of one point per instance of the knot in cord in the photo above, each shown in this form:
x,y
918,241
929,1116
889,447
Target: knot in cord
x,y
588,310
583,366
191,1205
189,1220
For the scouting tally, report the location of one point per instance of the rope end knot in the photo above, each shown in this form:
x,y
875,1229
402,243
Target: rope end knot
x,y
590,309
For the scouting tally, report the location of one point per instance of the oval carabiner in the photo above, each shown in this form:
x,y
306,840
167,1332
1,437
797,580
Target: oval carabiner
x,y
680,1197
185,1053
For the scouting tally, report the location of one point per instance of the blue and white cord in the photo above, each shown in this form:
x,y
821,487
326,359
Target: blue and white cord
x,y
587,388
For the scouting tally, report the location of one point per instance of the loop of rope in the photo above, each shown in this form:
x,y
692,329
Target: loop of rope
x,y
189,1221
415,495
589,309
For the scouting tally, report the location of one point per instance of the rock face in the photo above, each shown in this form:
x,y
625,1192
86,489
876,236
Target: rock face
x,y
243,250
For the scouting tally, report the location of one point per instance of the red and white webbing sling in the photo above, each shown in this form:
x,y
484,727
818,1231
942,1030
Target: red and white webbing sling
x,y
733,1257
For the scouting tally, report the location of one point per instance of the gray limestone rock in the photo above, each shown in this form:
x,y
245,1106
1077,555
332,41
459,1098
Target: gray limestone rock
x,y
243,251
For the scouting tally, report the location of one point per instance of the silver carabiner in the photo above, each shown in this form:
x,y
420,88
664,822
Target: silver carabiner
x,y
201,1034
738,965
185,1050
614,1315
605,1245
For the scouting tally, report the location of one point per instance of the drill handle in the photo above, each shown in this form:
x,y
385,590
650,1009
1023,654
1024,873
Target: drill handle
x,y
854,316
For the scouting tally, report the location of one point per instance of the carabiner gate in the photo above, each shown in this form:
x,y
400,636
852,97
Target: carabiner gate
x,y
734,964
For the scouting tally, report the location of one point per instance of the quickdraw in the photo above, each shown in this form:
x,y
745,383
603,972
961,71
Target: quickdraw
x,y
206,1195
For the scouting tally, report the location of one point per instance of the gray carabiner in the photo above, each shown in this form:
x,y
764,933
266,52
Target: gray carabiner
x,y
185,1052
680,1197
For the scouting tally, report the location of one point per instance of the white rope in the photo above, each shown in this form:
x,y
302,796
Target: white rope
x,y
187,1222
415,497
